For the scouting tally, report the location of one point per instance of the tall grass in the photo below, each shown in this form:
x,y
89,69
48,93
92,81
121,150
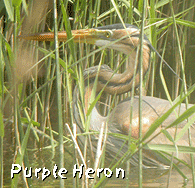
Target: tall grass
x,y
29,72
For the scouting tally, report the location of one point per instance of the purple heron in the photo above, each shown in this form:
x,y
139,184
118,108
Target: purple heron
x,y
125,39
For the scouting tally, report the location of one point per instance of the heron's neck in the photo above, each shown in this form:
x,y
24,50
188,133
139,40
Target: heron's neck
x,y
115,83
96,118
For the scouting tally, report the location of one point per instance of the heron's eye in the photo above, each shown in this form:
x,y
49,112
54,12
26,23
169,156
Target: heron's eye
x,y
108,34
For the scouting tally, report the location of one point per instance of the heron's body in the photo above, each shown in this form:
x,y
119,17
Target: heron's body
x,y
126,40
153,108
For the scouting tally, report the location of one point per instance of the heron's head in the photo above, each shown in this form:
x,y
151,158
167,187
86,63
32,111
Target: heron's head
x,y
120,37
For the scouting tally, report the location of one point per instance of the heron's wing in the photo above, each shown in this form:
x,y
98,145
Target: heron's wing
x,y
152,109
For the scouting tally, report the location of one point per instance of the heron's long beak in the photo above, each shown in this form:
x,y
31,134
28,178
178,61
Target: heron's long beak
x,y
83,36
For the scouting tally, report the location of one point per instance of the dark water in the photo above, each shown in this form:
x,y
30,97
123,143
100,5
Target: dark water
x,y
46,158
